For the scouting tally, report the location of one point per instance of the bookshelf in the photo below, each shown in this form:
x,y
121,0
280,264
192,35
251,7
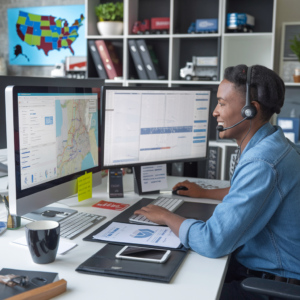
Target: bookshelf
x,y
176,48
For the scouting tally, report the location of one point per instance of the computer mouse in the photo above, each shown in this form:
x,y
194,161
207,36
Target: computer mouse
x,y
180,188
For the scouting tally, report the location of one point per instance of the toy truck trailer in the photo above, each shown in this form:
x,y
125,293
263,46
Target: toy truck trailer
x,y
201,68
204,26
240,22
158,26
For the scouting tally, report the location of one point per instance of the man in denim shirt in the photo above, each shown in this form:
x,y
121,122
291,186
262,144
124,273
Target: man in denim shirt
x,y
259,217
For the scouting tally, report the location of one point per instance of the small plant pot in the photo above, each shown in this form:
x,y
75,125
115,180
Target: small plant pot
x,y
106,28
296,78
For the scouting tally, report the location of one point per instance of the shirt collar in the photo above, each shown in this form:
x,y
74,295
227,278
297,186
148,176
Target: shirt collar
x,y
260,134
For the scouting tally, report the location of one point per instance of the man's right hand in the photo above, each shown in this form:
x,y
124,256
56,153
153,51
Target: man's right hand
x,y
194,190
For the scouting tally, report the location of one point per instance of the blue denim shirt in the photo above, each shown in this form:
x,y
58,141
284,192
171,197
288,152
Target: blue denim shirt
x,y
260,216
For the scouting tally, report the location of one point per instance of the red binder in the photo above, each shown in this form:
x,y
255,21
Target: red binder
x,y
111,62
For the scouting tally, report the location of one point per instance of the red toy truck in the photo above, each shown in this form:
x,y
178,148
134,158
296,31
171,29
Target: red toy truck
x,y
158,26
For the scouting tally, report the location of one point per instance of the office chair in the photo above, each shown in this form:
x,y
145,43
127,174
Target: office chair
x,y
273,289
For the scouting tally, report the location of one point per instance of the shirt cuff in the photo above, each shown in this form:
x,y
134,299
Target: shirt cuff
x,y
184,231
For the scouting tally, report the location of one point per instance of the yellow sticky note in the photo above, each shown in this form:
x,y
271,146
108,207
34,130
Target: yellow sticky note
x,y
85,185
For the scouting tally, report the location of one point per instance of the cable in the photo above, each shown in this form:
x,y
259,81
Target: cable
x,y
239,148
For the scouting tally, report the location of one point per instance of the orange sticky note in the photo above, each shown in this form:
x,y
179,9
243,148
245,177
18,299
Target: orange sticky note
x,y
85,185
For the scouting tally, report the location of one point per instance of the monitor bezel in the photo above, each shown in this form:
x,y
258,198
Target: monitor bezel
x,y
102,124
56,182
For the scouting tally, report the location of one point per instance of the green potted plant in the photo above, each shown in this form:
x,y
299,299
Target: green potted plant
x,y
110,16
295,47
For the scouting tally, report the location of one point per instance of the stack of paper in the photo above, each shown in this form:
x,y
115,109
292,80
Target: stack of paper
x,y
159,236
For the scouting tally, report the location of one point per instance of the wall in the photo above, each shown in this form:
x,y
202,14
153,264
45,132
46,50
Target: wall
x,y
287,11
4,5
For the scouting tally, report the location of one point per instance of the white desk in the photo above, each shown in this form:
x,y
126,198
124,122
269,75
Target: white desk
x,y
197,278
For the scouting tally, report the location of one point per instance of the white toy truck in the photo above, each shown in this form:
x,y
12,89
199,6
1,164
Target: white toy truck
x,y
201,68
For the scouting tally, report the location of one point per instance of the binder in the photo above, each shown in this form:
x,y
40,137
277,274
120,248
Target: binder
x,y
97,60
104,263
151,68
139,65
189,210
111,62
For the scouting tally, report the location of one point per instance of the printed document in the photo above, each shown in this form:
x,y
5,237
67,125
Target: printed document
x,y
159,236
154,178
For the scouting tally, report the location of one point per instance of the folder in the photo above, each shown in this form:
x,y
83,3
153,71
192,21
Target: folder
x,y
97,60
139,65
104,263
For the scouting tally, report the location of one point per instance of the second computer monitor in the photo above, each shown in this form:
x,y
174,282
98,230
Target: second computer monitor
x,y
153,125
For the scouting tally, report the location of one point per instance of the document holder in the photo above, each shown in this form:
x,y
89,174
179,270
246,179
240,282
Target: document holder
x,y
104,263
198,211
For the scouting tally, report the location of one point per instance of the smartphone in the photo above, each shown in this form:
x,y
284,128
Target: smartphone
x,y
144,254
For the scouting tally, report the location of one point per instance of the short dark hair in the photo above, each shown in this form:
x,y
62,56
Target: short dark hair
x,y
266,87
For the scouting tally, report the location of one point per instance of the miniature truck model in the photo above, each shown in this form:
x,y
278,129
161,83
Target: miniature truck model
x,y
240,22
204,26
158,26
201,68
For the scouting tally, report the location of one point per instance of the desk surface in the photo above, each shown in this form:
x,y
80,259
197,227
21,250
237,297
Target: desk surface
x,y
198,276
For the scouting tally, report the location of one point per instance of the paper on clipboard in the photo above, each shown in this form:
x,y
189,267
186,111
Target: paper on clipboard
x,y
159,236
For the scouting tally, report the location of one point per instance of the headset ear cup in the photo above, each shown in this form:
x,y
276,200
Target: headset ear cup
x,y
248,111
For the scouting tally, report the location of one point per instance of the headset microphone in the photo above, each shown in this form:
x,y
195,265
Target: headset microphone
x,y
221,128
248,111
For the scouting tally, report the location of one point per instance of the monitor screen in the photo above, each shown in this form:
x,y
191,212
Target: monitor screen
x,y
53,138
58,135
146,125
37,81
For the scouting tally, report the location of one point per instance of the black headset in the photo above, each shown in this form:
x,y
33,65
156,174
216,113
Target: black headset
x,y
248,111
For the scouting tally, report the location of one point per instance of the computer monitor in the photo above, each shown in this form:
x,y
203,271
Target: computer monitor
x,y
36,81
52,139
144,125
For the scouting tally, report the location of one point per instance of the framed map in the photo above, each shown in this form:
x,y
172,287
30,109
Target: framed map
x,y
44,36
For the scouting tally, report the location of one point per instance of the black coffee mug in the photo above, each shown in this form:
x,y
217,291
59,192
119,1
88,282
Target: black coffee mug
x,y
43,240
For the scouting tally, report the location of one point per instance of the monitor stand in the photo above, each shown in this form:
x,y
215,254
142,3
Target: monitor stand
x,y
50,213
138,183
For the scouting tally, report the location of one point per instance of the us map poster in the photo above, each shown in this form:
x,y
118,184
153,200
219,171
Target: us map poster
x,y
44,36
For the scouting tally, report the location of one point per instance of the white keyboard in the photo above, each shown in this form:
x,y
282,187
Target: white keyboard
x,y
168,203
77,223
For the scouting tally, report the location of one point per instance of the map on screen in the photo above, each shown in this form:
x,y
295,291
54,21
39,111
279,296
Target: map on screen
x,y
58,136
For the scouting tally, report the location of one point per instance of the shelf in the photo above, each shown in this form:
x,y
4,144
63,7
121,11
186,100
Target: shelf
x,y
253,34
107,37
292,83
147,81
115,81
148,36
193,36
195,82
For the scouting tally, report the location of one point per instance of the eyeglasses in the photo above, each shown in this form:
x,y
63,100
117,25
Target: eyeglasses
x,y
20,280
